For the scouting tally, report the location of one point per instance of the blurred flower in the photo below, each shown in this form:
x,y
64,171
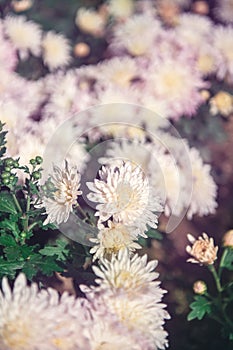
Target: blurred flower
x,y
204,189
56,50
137,34
59,204
224,10
90,21
24,35
22,5
223,42
121,8
222,103
228,239
29,317
177,84
113,238
203,250
201,7
194,30
118,70
199,287
124,193
127,288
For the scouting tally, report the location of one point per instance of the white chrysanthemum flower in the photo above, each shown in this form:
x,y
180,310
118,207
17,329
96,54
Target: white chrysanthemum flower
x,y
33,319
59,205
194,30
178,84
137,152
90,21
124,193
8,57
224,10
206,59
118,109
121,8
113,238
204,191
167,179
29,146
104,331
155,114
137,34
56,50
223,42
127,289
25,35
135,276
118,70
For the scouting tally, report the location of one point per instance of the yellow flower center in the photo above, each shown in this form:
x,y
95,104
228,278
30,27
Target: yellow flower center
x,y
16,335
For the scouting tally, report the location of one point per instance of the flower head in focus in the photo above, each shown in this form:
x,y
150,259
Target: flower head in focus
x,y
203,251
123,192
113,238
133,275
65,185
24,35
56,50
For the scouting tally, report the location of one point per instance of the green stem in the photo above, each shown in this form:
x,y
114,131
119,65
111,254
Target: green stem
x,y
17,203
216,278
32,225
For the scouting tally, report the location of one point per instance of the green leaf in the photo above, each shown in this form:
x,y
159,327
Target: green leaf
x,y
7,240
152,233
8,268
227,259
7,204
60,250
10,226
200,307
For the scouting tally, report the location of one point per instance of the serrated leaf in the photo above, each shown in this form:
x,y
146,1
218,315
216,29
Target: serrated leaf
x,y
200,307
60,250
8,268
7,240
10,226
227,260
7,204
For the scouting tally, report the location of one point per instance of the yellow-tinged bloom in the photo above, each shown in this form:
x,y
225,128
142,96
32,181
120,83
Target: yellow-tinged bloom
x,y
199,287
228,239
202,250
222,103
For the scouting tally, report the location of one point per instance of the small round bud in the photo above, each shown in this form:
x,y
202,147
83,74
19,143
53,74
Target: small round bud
x,y
23,235
6,175
228,239
11,178
39,160
6,181
7,168
199,287
9,162
82,50
32,161
36,175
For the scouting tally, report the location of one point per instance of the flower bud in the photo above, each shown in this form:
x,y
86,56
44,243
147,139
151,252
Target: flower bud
x,y
228,239
199,287
39,160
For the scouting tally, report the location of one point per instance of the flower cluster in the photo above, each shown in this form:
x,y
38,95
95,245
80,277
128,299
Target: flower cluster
x,y
31,318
